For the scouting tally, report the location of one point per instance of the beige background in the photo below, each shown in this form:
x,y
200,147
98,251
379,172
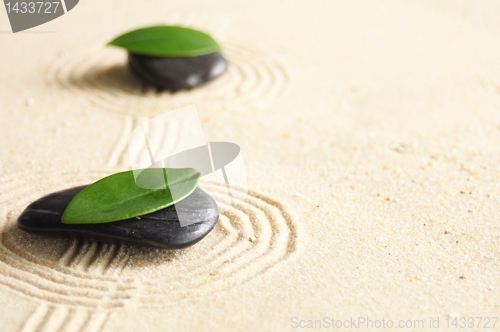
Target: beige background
x,y
370,131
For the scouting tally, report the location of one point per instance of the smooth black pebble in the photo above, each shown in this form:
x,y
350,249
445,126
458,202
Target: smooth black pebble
x,y
178,73
160,229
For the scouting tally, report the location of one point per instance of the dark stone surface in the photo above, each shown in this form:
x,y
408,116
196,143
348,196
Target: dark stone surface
x,y
178,73
158,229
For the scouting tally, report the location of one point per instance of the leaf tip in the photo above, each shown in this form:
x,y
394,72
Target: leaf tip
x,y
113,43
65,219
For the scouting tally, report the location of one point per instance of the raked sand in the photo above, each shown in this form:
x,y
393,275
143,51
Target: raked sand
x,y
371,136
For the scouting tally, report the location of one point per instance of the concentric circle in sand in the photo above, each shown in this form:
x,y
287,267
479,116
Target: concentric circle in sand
x,y
252,236
101,80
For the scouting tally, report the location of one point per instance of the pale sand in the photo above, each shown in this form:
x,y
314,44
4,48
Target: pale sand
x,y
370,132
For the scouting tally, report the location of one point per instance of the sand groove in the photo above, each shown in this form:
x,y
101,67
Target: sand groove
x,y
47,317
254,234
36,319
229,256
100,79
118,152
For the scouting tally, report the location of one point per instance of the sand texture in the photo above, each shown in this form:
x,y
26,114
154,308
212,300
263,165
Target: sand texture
x,y
371,136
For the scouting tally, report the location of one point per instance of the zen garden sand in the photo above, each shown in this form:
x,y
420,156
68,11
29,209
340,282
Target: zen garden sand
x,y
370,132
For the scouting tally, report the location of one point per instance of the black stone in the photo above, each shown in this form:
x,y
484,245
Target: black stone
x,y
158,229
178,73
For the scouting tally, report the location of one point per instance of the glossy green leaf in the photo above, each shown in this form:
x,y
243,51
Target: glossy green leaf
x,y
167,41
118,196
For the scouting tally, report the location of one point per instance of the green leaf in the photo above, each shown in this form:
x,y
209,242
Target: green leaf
x,y
167,41
118,196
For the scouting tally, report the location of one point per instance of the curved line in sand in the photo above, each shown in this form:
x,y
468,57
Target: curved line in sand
x,y
101,80
48,317
81,272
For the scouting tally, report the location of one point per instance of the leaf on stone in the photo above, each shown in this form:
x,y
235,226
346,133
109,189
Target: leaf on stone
x,y
119,197
167,41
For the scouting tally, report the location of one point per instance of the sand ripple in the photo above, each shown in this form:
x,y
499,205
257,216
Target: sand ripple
x,y
101,80
252,237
